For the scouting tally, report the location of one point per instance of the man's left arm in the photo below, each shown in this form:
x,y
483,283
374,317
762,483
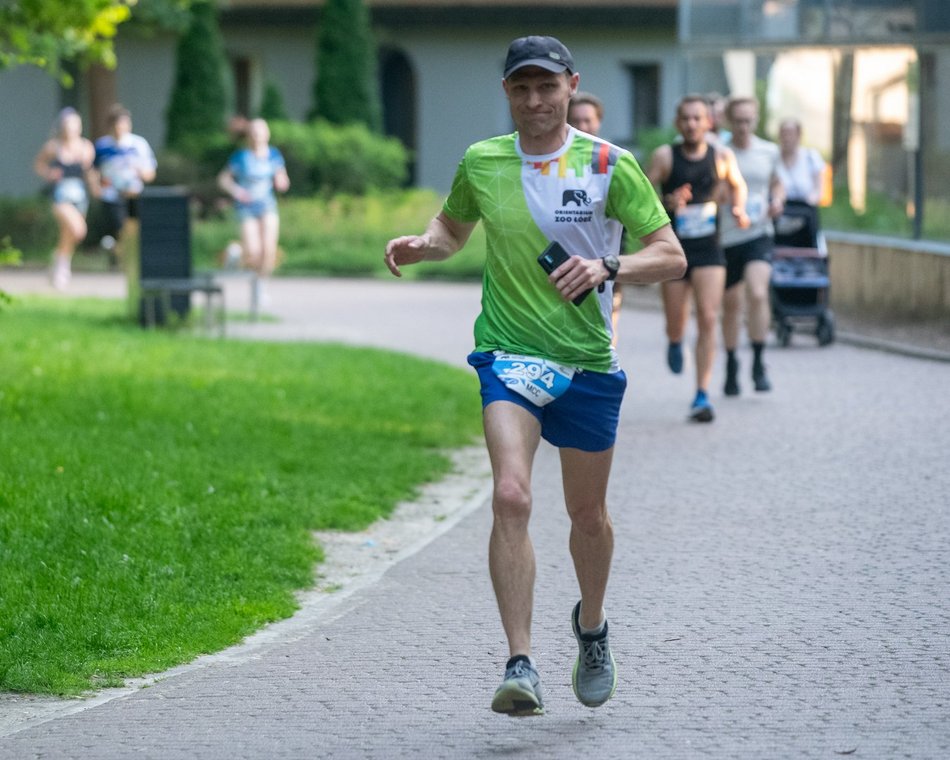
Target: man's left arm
x,y
660,259
776,191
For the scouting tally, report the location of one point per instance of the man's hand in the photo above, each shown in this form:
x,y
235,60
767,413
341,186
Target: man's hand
x,y
409,249
678,198
776,207
578,275
741,217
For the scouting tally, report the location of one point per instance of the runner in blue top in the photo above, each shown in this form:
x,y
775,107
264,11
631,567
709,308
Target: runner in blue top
x,y
543,355
251,176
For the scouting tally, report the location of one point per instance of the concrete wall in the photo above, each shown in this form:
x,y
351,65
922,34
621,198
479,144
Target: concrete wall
x,y
460,97
31,101
886,276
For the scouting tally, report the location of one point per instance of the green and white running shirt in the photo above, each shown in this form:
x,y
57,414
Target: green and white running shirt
x,y
581,196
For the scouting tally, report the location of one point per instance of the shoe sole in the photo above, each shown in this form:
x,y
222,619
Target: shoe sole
x,y
763,387
516,702
703,415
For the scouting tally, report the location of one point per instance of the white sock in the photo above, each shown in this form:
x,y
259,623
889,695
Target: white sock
x,y
594,631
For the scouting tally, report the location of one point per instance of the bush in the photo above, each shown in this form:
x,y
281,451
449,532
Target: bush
x,y
322,157
28,225
196,165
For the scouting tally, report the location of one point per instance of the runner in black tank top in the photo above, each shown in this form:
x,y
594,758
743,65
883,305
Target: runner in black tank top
x,y
689,175
697,226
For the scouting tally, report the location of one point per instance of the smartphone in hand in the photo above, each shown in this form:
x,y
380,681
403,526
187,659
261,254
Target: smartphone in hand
x,y
551,258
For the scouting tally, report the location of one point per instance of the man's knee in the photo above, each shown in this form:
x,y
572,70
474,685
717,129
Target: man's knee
x,y
512,500
707,320
591,519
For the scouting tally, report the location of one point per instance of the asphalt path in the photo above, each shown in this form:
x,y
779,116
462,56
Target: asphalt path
x,y
780,583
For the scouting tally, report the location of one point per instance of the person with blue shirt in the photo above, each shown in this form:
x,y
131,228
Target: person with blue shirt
x,y
124,164
251,176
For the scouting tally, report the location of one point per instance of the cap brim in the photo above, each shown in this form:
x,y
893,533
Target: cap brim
x,y
542,63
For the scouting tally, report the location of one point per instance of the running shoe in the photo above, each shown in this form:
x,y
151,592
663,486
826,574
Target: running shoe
x,y
760,378
701,410
520,693
595,672
674,357
731,387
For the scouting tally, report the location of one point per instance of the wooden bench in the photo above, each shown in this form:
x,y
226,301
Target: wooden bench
x,y
159,290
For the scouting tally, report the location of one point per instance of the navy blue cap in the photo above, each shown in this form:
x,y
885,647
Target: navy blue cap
x,y
545,52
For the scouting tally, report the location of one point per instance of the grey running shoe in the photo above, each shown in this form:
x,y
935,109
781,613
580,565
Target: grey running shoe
x,y
595,673
760,378
520,693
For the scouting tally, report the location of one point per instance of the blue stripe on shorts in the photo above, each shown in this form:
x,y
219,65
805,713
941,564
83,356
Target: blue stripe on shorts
x,y
585,417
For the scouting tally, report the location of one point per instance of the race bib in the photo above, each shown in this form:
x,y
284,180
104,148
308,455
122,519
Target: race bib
x,y
538,380
696,220
757,207
70,190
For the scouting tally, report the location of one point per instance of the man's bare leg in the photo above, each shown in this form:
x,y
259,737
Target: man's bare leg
x,y
512,435
585,476
675,294
757,276
708,285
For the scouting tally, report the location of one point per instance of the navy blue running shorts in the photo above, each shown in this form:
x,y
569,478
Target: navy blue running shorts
x,y
585,417
737,256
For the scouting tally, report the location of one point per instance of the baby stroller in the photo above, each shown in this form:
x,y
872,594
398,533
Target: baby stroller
x,y
799,289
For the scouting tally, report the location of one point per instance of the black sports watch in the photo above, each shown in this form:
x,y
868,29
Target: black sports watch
x,y
612,264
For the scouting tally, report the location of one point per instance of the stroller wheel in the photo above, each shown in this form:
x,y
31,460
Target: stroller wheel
x,y
826,329
783,331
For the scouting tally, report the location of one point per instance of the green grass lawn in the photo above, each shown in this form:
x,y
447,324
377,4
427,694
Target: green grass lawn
x,y
158,491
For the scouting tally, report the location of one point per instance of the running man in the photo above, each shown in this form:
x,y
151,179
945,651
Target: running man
x,y
749,249
586,112
543,356
124,164
694,178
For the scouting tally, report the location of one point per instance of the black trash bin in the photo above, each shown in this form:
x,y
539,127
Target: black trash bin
x,y
164,247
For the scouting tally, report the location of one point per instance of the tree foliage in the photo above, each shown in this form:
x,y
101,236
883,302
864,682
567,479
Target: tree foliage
x,y
345,91
272,104
199,97
51,33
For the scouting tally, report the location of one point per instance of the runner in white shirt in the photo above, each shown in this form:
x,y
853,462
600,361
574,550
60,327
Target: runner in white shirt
x,y
749,250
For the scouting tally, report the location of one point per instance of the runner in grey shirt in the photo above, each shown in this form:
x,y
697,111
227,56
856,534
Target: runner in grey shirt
x,y
749,250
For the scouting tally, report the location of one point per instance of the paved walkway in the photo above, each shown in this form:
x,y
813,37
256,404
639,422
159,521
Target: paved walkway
x,y
780,584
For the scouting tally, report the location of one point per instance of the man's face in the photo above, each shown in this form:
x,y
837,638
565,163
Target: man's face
x,y
539,99
743,120
692,121
584,117
788,137
122,126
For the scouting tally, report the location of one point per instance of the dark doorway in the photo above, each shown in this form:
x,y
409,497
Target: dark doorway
x,y
397,84
645,83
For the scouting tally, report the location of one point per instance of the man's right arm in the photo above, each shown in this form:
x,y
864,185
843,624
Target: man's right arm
x,y
728,169
661,167
443,237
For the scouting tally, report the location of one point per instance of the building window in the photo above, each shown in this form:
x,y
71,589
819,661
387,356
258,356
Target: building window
x,y
242,71
645,96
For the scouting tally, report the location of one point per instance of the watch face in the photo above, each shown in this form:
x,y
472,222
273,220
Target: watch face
x,y
613,265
